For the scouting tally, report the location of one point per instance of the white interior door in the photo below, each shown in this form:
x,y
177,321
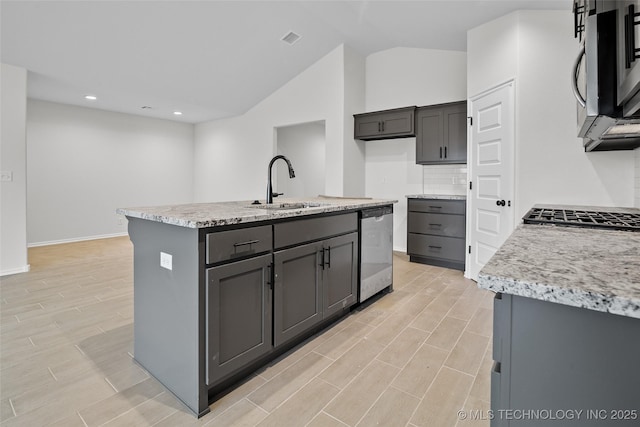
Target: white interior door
x,y
490,202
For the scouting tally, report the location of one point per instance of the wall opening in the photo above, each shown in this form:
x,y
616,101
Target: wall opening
x,y
304,145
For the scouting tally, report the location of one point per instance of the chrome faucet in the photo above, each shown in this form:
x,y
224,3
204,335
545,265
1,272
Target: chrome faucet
x,y
292,174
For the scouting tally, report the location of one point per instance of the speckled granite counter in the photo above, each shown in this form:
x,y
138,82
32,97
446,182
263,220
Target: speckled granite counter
x,y
593,269
202,215
437,196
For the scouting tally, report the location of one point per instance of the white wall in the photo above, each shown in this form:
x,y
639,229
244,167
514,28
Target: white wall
x,y
237,150
83,163
304,146
13,204
402,77
536,49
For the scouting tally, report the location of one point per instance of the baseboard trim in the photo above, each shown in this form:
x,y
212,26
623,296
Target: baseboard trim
x,y
18,270
77,239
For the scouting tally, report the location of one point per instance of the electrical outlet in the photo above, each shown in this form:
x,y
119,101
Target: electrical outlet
x,y
6,176
166,261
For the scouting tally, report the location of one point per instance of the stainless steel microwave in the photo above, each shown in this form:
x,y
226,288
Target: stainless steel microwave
x,y
606,74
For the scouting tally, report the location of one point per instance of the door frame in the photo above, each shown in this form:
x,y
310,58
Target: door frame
x,y
470,159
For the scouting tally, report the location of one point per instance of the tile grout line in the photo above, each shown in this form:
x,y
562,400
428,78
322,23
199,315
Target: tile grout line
x,y
52,374
82,419
12,408
112,386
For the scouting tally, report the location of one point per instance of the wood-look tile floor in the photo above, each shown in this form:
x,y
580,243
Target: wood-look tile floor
x,y
414,357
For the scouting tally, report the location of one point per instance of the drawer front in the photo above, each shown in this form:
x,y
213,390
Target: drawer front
x,y
437,224
226,245
447,248
438,206
307,230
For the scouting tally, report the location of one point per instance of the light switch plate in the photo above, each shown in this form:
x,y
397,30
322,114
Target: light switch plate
x,y
166,261
6,176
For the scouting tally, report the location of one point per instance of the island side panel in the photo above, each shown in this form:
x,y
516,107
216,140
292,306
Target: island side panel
x,y
167,308
566,359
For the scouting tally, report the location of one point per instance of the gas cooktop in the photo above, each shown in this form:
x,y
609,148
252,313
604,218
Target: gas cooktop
x,y
615,219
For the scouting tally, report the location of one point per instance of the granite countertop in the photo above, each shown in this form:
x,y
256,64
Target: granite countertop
x,y
581,267
437,196
202,215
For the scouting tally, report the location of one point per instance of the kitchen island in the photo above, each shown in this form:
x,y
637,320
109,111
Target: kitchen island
x,y
222,288
566,341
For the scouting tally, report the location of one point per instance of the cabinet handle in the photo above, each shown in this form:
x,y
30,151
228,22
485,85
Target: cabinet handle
x,y
379,126
322,259
329,257
630,36
445,152
440,152
435,207
270,276
435,225
435,247
249,242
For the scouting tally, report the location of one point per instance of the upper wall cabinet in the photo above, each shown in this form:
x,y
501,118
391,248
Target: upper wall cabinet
x,y
387,124
441,134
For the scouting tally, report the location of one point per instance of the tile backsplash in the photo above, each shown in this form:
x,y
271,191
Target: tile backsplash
x,y
444,179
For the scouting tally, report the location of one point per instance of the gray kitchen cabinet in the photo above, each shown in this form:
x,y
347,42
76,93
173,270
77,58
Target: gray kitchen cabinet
x,y
297,287
387,124
317,280
441,134
551,358
340,274
238,315
436,232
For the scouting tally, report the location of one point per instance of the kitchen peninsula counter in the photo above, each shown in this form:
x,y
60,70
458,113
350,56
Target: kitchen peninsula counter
x,y
215,214
581,267
221,289
566,326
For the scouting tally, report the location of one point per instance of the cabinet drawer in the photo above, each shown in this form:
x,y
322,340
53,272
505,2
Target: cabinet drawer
x,y
226,245
448,248
307,230
438,206
436,224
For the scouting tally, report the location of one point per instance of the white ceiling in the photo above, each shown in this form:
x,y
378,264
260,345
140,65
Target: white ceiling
x,y
213,59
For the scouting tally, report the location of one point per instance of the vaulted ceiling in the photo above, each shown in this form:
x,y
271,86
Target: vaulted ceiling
x,y
213,59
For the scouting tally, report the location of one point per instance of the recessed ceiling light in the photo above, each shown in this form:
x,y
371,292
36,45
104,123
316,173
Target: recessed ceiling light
x,y
90,97
177,113
290,38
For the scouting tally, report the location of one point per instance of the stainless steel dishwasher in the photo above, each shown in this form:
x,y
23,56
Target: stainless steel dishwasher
x,y
376,251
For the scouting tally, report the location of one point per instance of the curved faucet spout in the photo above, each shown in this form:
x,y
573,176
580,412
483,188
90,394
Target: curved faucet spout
x,y
292,174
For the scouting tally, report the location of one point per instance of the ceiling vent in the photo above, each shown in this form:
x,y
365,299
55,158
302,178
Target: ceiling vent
x,y
290,38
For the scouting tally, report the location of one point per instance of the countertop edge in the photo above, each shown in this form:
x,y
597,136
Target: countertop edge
x,y
623,306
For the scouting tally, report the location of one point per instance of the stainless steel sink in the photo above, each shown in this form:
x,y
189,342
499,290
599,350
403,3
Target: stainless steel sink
x,y
289,206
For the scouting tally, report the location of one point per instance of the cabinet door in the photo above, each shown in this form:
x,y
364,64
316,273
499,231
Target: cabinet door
x,y
455,133
429,135
366,126
398,123
238,315
340,270
297,285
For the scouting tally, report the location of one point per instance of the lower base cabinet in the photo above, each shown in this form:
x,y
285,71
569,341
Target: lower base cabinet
x,y
561,366
313,282
297,283
436,232
238,315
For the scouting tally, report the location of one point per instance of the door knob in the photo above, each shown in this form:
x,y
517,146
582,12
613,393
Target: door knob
x,y
501,203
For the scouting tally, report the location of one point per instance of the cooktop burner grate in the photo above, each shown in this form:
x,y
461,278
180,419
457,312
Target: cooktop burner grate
x,y
583,218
